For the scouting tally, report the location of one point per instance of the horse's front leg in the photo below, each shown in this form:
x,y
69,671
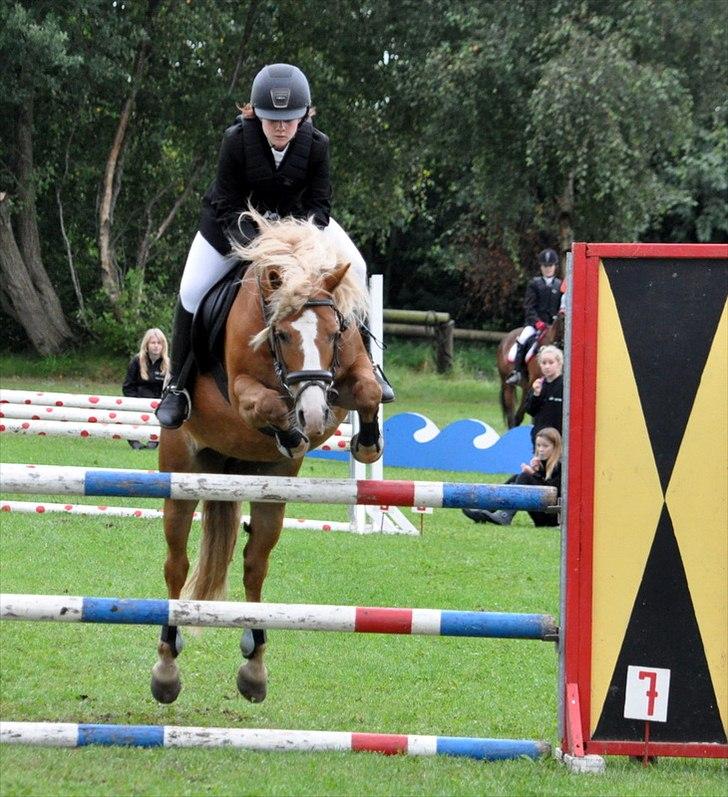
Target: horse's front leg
x,y
266,521
261,408
358,390
166,683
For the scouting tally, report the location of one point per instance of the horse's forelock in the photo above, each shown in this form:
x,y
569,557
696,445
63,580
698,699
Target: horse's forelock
x,y
303,256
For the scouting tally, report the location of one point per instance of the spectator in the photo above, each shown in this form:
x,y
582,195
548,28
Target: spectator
x,y
545,400
147,372
544,470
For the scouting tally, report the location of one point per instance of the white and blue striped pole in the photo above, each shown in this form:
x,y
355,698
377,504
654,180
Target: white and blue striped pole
x,y
67,734
55,480
292,617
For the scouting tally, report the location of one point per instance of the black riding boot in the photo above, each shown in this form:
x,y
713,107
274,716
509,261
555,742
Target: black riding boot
x,y
387,390
176,405
516,375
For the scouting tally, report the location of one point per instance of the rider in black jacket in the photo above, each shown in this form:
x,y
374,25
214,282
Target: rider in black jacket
x,y
541,305
273,158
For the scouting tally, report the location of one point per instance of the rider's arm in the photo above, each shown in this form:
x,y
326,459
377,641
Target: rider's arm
x,y
317,197
530,304
231,187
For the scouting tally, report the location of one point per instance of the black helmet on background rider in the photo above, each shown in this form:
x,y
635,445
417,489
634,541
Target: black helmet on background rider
x,y
548,257
280,91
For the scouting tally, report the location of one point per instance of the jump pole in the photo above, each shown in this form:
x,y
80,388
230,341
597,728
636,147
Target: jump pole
x,y
29,412
83,400
67,734
55,480
115,431
281,616
94,510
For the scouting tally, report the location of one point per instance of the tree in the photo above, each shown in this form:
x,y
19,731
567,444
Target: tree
x,y
38,59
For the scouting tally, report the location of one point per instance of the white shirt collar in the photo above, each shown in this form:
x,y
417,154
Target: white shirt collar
x,y
278,154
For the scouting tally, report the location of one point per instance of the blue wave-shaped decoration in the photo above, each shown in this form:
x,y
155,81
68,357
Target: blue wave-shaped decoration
x,y
412,440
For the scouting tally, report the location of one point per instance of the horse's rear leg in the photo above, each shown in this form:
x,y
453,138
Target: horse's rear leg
x,y
264,531
508,400
166,684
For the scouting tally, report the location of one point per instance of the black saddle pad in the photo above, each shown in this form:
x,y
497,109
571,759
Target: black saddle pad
x,y
208,325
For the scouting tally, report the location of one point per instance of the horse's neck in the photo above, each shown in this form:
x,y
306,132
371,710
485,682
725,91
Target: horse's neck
x,y
246,319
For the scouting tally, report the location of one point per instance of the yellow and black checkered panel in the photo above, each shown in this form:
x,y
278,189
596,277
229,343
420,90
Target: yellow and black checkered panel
x,y
660,581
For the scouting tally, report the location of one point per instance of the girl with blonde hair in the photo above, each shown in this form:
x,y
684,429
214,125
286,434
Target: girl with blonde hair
x,y
544,470
148,370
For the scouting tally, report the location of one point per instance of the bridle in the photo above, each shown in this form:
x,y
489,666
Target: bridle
x,y
308,378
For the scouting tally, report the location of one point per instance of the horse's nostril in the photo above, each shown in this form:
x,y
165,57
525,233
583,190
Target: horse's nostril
x,y
301,418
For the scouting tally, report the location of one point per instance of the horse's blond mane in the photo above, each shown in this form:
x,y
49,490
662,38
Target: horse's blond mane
x,y
303,256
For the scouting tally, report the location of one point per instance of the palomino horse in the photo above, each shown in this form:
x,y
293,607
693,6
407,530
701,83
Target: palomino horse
x,y
513,404
295,364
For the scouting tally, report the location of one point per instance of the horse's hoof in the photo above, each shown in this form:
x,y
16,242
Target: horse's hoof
x,y
166,691
293,446
166,684
252,689
366,454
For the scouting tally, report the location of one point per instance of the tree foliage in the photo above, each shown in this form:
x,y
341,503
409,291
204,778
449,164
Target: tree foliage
x,y
465,137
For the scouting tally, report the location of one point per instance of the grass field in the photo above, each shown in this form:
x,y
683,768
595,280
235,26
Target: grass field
x,y
321,681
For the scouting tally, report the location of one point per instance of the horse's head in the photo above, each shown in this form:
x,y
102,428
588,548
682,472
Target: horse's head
x,y
305,349
308,297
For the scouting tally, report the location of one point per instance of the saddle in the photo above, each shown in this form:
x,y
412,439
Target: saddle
x,y
208,326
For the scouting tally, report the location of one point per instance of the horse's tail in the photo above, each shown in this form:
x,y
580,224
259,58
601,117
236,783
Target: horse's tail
x,y
220,526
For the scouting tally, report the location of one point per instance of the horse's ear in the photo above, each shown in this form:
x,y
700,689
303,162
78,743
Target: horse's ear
x,y
271,281
333,278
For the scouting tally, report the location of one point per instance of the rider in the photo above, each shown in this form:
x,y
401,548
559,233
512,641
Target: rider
x,y
541,303
273,158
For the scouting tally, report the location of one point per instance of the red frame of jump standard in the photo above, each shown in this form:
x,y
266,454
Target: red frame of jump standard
x,y
577,602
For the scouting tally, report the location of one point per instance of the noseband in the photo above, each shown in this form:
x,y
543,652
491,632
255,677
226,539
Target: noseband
x,y
308,378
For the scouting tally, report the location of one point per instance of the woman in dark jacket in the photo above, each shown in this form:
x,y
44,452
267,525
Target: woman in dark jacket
x,y
545,400
147,371
148,368
544,470
274,159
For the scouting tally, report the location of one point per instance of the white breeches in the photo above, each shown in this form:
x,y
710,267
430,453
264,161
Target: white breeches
x,y
347,250
526,333
205,265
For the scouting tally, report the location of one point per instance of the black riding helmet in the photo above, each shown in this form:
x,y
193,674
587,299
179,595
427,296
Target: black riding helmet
x,y
547,257
280,91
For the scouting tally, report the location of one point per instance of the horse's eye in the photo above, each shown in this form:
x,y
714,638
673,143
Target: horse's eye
x,y
283,337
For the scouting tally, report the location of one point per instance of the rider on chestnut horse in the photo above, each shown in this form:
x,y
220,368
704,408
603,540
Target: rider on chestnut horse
x,y
542,303
272,160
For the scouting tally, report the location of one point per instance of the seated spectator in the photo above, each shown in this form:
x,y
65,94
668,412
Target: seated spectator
x,y
147,372
544,470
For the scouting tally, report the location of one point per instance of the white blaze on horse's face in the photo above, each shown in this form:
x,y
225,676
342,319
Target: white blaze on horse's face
x,y
313,404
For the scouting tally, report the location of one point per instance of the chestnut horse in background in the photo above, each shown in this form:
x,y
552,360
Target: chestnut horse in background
x,y
512,401
295,364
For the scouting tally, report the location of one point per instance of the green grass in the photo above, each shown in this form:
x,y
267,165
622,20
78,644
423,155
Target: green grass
x,y
321,681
